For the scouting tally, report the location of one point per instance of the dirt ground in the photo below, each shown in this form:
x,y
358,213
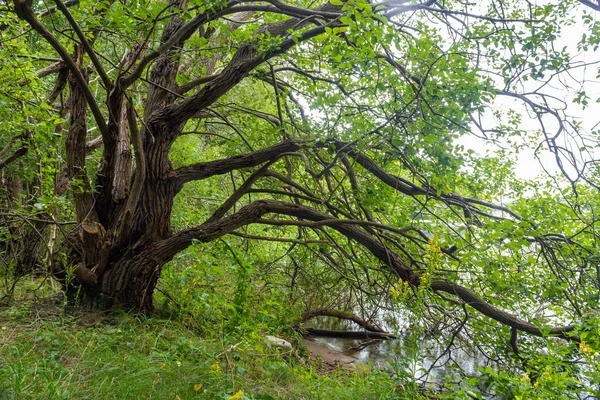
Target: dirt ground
x,y
331,358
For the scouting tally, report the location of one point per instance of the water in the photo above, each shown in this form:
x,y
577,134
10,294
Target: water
x,y
431,364
428,361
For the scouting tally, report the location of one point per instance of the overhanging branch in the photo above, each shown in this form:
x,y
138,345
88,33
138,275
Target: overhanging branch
x,y
253,213
207,169
243,62
405,186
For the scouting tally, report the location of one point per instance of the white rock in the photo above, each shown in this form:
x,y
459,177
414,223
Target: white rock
x,y
273,341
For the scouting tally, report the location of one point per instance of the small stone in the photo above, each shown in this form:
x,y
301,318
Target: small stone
x,y
273,341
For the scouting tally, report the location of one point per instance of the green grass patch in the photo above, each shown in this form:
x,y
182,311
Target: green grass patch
x,y
47,353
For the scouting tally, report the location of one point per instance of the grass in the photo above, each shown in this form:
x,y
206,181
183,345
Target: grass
x,y
47,353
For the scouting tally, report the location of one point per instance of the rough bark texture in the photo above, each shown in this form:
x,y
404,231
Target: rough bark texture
x,y
75,147
349,334
131,282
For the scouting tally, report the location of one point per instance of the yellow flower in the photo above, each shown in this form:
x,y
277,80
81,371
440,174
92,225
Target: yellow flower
x,y
163,366
585,348
216,368
237,396
197,386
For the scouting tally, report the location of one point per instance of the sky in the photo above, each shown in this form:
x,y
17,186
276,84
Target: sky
x,y
528,166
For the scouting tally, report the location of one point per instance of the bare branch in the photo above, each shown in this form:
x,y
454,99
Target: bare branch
x,y
499,315
85,43
591,4
326,312
207,169
14,156
24,11
404,186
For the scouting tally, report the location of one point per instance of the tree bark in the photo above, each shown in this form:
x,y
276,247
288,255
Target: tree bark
x,y
349,334
131,282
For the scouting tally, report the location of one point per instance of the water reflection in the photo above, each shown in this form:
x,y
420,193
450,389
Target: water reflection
x,y
432,363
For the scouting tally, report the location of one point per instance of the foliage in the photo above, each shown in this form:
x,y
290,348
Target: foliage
x,y
254,161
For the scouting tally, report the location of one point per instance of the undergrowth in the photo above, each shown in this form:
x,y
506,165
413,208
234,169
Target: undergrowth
x,y
50,352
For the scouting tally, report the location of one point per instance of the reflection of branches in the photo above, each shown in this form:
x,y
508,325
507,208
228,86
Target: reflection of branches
x,y
448,350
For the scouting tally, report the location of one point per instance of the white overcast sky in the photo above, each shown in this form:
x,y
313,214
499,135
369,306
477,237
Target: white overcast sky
x,y
528,166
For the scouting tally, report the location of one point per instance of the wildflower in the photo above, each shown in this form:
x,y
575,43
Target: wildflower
x,y
216,368
237,396
425,280
163,366
197,386
585,348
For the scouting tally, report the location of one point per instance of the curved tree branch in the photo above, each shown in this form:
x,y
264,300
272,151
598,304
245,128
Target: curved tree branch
x,y
207,169
253,213
326,312
181,34
14,156
245,60
85,43
405,186
499,315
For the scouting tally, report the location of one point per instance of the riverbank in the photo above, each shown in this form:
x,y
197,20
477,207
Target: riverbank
x,y
331,358
48,353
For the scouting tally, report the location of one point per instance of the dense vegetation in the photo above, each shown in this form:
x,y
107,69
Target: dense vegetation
x,y
228,169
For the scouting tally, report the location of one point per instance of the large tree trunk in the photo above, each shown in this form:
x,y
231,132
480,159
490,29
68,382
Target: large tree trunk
x,y
131,282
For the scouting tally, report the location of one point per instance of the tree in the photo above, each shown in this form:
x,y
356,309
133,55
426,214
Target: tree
x,y
338,120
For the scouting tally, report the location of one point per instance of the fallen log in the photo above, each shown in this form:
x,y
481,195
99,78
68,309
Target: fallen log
x,y
326,312
347,334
